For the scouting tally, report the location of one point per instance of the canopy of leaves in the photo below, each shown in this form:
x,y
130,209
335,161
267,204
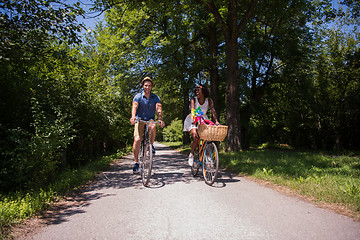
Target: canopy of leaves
x,y
26,24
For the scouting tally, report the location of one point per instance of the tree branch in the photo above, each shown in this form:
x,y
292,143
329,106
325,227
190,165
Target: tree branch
x,y
247,15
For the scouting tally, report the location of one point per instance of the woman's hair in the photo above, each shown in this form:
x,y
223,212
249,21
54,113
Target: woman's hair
x,y
204,90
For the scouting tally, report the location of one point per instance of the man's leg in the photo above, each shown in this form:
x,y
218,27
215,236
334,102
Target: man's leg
x,y
136,148
152,130
138,131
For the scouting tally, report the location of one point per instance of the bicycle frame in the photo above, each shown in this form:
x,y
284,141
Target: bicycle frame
x,y
203,149
208,157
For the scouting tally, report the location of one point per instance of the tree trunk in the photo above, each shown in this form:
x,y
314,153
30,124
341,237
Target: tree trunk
x,y
232,98
185,112
231,28
214,74
244,126
232,76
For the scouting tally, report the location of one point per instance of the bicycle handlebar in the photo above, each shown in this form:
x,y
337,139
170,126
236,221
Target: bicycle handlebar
x,y
143,121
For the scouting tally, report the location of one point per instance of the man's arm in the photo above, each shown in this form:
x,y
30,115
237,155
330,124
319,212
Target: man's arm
x,y
134,108
159,113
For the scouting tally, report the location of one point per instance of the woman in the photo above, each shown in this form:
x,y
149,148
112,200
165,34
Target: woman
x,y
203,101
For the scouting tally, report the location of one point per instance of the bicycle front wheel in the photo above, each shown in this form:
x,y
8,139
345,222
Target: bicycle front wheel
x,y
146,164
210,163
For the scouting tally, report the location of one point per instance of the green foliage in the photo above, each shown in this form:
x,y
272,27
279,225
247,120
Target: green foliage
x,y
17,207
173,132
26,26
158,39
58,110
68,115
289,66
276,68
35,129
35,156
311,101
337,84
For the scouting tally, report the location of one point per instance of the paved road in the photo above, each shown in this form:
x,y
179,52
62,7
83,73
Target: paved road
x,y
178,206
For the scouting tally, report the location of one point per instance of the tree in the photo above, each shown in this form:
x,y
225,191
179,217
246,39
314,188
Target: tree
x,y
26,27
227,18
27,24
58,108
230,28
306,102
157,39
337,84
354,8
274,49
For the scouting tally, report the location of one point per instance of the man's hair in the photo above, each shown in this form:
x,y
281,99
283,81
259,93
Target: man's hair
x,y
204,90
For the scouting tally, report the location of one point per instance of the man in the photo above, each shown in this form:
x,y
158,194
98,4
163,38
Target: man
x,y
144,106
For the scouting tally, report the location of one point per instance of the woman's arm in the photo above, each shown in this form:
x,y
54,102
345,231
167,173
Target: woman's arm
x,y
192,108
211,105
192,103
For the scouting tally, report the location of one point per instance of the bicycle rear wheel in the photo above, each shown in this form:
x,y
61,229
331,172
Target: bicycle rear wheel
x,y
146,163
195,166
210,163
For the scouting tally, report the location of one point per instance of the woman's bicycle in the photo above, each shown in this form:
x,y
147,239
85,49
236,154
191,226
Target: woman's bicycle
x,y
206,153
206,156
146,153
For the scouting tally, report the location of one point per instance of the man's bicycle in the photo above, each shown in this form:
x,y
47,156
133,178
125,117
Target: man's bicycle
x,y
146,153
206,153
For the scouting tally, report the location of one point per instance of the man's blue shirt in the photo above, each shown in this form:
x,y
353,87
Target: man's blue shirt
x,y
147,107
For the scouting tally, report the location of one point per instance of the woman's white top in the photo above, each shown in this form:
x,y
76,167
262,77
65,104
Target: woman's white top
x,y
188,125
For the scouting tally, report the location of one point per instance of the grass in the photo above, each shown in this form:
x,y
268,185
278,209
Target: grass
x,y
322,177
16,207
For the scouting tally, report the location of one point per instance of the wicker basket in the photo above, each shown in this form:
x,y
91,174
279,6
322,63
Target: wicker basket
x,y
212,132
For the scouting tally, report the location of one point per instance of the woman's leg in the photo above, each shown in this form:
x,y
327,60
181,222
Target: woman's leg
x,y
195,140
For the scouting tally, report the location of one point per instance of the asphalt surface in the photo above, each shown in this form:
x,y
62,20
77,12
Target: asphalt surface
x,y
178,206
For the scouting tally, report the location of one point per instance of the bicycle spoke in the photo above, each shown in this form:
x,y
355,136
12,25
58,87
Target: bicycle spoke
x,y
210,163
147,164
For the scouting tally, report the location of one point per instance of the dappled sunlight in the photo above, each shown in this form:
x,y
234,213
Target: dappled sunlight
x,y
169,167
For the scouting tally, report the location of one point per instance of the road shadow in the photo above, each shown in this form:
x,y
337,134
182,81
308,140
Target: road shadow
x,y
170,167
60,211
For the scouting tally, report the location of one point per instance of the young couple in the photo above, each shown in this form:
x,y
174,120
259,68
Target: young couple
x,y
144,106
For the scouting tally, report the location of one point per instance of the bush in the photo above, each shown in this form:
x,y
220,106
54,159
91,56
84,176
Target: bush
x,y
173,132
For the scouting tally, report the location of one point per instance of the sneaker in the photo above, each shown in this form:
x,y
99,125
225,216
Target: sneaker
x,y
136,168
191,159
153,149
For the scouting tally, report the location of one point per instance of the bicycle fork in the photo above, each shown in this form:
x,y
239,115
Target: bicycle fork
x,y
207,155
